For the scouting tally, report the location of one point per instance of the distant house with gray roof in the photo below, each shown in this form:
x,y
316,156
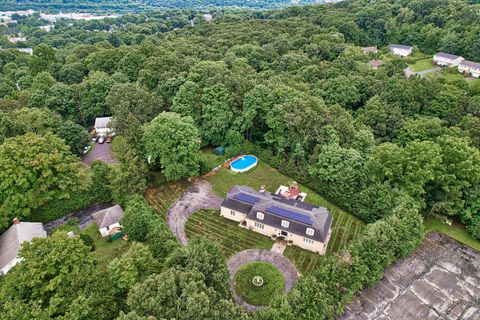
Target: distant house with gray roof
x,y
102,126
11,242
447,60
108,220
400,50
298,223
470,67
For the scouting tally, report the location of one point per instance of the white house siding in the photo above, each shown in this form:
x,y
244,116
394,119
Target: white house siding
x,y
445,62
401,52
105,231
473,71
296,239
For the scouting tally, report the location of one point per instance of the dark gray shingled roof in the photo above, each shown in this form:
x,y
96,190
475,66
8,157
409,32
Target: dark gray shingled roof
x,y
447,55
470,64
399,46
320,217
236,205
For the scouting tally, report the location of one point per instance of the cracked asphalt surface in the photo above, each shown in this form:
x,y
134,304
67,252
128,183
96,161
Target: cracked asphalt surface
x,y
440,280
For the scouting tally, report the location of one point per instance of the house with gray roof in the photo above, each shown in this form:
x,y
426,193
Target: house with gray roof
x,y
12,239
102,126
108,220
470,67
400,50
447,60
296,222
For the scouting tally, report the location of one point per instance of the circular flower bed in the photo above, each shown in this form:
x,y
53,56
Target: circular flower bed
x,y
249,290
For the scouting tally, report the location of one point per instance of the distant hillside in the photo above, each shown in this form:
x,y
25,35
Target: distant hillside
x,y
143,5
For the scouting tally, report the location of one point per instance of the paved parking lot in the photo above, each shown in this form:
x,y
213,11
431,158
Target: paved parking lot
x,y
440,280
99,152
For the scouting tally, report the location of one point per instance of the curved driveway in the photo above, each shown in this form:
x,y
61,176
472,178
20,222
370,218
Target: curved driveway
x,y
283,264
197,197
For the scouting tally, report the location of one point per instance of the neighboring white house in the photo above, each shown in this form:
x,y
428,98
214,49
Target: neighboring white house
x,y
11,242
17,39
108,220
447,60
26,50
469,67
102,126
400,50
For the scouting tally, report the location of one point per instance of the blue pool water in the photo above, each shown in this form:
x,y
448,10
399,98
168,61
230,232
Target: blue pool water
x,y
244,163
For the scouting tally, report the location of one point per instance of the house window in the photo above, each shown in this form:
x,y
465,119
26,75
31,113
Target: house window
x,y
260,216
232,212
310,231
285,223
308,241
259,225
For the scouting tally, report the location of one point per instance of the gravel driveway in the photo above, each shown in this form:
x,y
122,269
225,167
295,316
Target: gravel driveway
x,y
250,255
197,197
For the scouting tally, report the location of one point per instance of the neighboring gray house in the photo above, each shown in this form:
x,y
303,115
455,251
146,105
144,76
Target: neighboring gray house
x,y
447,60
400,50
470,67
108,220
11,242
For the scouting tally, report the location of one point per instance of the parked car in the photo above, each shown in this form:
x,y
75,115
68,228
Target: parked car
x,y
101,139
109,139
94,139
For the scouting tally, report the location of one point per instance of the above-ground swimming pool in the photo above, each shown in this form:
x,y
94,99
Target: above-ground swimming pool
x,y
243,164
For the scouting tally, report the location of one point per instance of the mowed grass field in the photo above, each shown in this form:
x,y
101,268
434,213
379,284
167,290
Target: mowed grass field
x,y
161,198
345,226
423,64
225,233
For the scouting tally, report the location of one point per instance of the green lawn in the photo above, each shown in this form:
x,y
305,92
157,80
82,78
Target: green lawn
x,y
105,251
456,231
225,233
345,226
423,64
261,295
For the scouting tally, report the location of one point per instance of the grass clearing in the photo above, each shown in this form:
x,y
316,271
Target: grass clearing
x,y
456,231
345,226
273,283
105,251
422,64
225,233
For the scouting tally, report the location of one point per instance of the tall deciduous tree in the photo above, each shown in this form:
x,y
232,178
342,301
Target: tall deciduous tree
x,y
75,136
133,266
35,169
173,142
55,279
131,98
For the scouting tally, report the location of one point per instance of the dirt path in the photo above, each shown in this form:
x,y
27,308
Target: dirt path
x,y
197,197
250,255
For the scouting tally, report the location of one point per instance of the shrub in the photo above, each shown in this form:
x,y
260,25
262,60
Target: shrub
x,y
138,219
88,241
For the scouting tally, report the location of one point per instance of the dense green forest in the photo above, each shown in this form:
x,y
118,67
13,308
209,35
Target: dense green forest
x,y
141,5
291,86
